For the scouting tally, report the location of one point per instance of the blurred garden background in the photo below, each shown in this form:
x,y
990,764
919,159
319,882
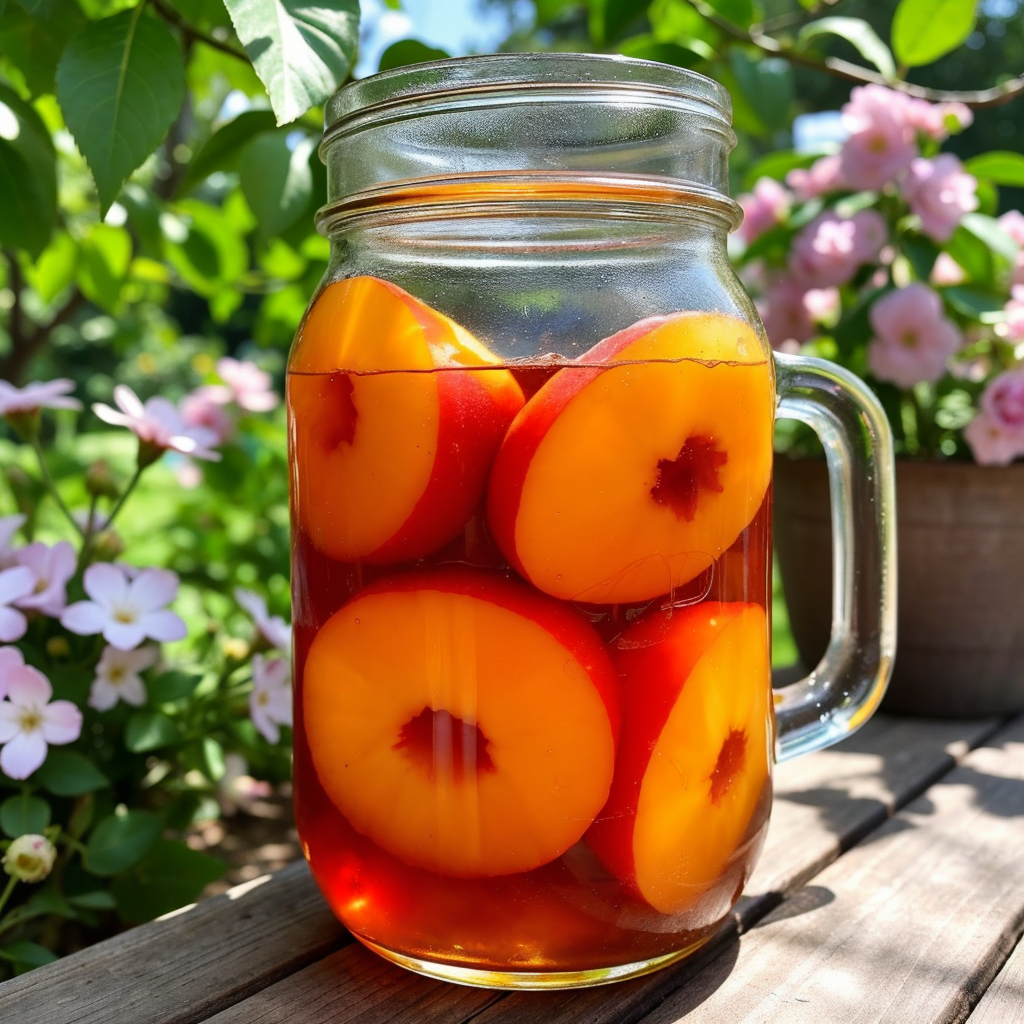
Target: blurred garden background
x,y
159,181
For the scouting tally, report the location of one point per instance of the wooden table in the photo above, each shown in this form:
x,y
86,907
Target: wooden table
x,y
891,889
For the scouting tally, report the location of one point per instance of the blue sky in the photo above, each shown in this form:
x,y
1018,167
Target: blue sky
x,y
458,26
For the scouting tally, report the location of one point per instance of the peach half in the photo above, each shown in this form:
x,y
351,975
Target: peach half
x,y
694,751
396,412
627,475
462,722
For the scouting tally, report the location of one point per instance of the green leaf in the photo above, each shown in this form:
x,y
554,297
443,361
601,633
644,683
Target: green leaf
x,y
672,20
408,51
204,246
739,12
857,33
28,175
24,814
681,54
214,765
34,45
143,210
30,953
922,253
121,841
276,180
120,84
172,686
777,166
222,151
973,302
49,901
98,899
767,85
68,773
610,19
1002,167
924,30
54,271
301,51
106,253
171,876
971,253
149,730
988,230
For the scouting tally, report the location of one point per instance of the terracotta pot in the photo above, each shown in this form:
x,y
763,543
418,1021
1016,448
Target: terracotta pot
x,y
960,634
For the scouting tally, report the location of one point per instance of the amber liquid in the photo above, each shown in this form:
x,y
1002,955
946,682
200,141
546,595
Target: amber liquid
x,y
571,914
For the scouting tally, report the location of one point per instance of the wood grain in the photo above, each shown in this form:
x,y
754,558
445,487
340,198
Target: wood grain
x,y
1003,1001
355,986
911,925
184,967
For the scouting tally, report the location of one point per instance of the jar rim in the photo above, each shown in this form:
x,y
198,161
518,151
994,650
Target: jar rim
x,y
488,73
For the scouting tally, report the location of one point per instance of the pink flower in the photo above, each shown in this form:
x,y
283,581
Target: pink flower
x,y
117,677
913,340
158,423
937,120
10,659
1014,327
947,271
38,395
15,584
824,175
881,142
940,192
9,526
29,721
828,251
1012,222
249,385
126,611
52,568
790,313
202,408
1003,401
991,443
274,629
763,208
270,703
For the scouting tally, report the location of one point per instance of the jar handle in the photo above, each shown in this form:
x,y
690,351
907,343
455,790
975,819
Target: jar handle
x,y
850,680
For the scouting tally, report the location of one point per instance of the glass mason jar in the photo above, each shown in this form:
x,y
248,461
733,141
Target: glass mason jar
x,y
531,413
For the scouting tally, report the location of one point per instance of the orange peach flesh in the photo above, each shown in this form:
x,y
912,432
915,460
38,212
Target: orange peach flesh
x,y
653,468
366,444
459,735
708,769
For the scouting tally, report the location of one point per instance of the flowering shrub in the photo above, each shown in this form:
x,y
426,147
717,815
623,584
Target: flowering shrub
x,y
121,698
886,257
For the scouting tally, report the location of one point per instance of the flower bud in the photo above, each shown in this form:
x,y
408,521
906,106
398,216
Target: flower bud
x,y
29,858
100,482
107,545
236,649
58,648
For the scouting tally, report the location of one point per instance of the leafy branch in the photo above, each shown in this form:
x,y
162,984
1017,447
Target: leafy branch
x,y
847,70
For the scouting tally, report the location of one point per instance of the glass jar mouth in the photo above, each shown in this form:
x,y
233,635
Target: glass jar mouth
x,y
420,89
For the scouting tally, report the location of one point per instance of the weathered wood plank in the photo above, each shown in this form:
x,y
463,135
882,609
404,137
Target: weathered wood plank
x,y
355,986
1003,1001
886,764
183,968
910,925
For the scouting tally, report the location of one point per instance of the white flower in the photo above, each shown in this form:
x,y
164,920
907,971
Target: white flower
x,y
29,858
37,395
15,584
52,568
10,659
29,721
9,526
275,630
270,703
124,610
117,677
159,423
